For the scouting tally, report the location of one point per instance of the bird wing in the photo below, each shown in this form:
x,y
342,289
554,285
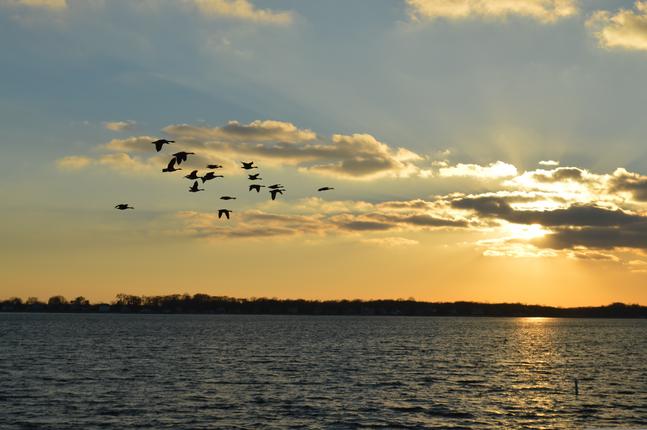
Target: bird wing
x,y
171,164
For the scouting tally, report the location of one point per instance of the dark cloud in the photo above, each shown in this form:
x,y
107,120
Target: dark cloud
x,y
604,237
561,174
575,215
365,225
623,181
431,221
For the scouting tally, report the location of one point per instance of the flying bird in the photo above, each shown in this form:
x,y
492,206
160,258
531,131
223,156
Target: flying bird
x,y
254,177
256,187
182,156
194,188
193,175
214,166
248,166
325,189
227,198
274,192
275,186
123,206
161,142
171,166
224,212
209,176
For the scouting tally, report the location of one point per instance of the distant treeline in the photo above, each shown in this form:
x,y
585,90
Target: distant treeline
x,y
206,304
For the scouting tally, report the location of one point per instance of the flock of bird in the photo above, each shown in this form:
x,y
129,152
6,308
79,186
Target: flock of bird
x,y
183,156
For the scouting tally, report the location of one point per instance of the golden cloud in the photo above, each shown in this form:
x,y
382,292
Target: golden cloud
x,y
119,125
625,28
546,11
243,10
47,4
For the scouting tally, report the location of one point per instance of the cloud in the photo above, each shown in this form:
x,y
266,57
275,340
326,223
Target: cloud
x,y
319,218
391,242
549,163
363,156
571,216
637,266
491,171
626,29
545,11
121,162
73,162
586,254
126,163
242,10
235,132
119,125
45,4
131,144
624,235
633,183
356,156
561,174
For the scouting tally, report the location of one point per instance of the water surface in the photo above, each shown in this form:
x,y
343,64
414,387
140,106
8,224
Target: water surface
x,y
214,371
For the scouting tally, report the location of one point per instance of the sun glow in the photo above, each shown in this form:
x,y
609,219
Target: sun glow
x,y
525,232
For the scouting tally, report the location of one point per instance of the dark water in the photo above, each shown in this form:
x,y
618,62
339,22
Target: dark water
x,y
193,372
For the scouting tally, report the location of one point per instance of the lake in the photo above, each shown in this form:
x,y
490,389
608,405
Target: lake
x,y
121,371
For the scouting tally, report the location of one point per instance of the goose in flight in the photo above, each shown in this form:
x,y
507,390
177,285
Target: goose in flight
x,y
194,188
123,206
276,191
224,212
193,175
161,142
171,166
209,176
248,166
182,156
227,198
256,187
254,177
275,186
325,189
214,166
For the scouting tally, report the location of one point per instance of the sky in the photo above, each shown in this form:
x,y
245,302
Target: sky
x,y
481,150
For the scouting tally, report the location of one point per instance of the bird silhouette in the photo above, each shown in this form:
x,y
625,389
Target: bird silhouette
x,y
123,206
182,156
214,166
256,187
325,189
161,142
171,166
248,166
209,176
227,198
193,175
224,212
275,186
276,191
194,188
254,177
